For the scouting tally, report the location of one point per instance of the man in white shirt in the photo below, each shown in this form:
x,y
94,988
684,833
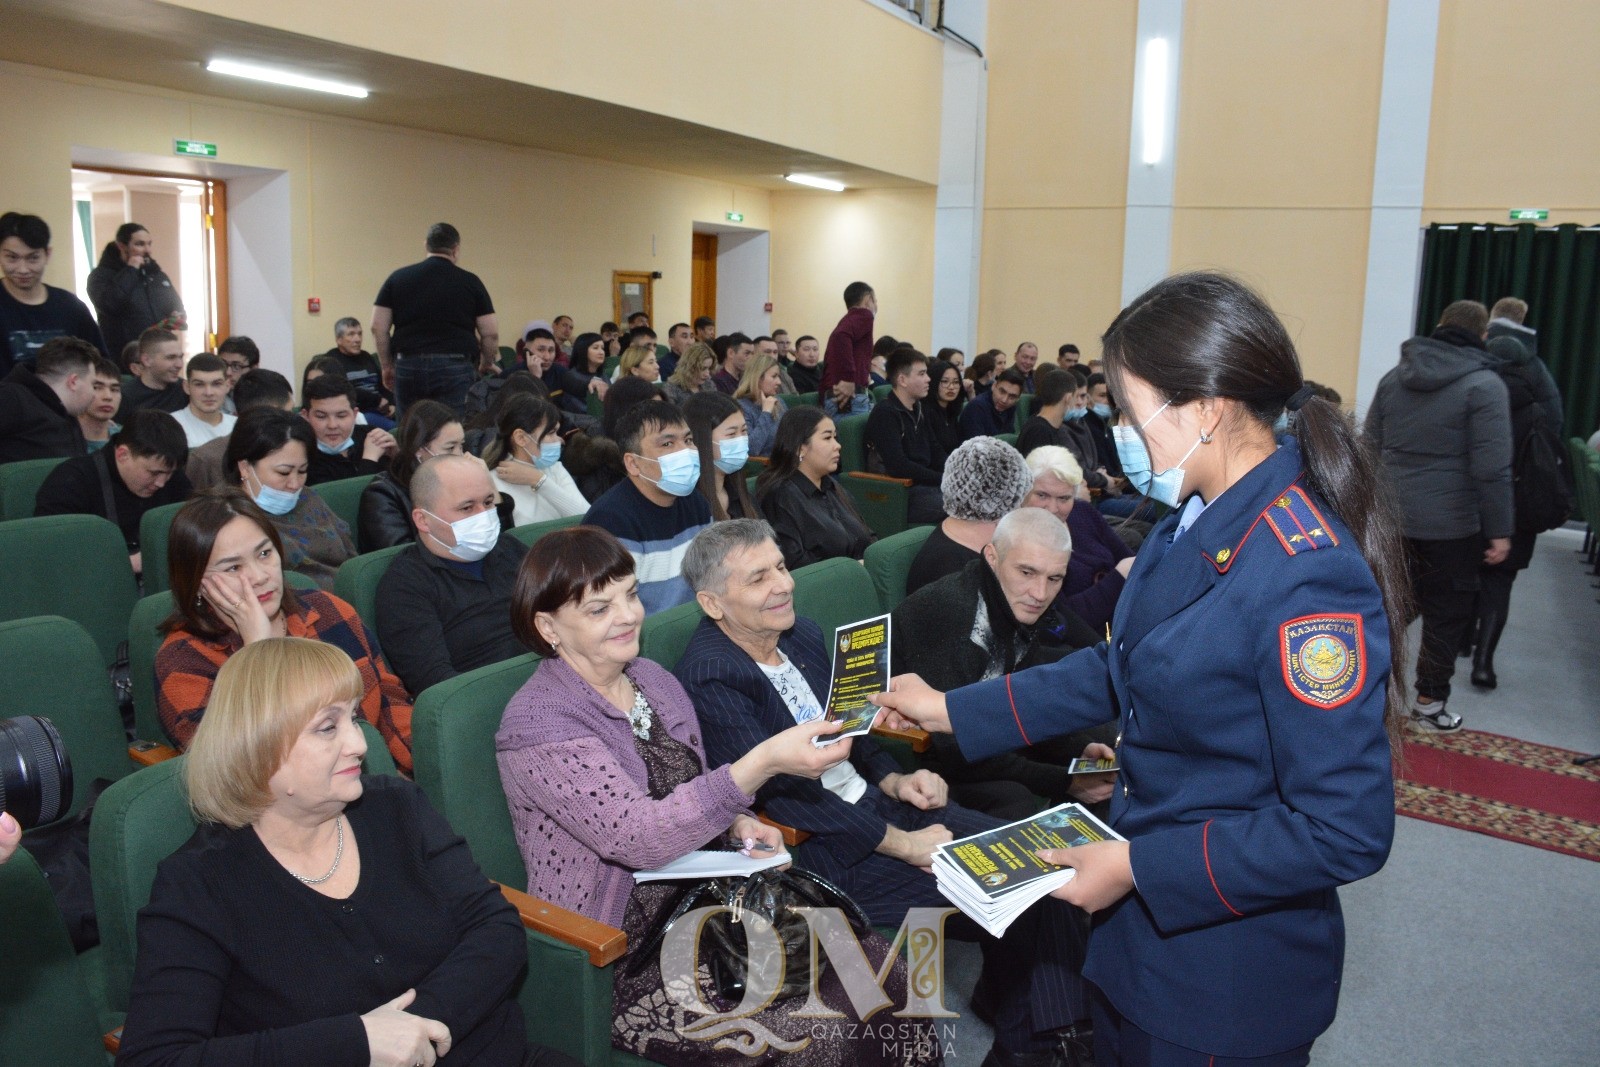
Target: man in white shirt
x,y
206,384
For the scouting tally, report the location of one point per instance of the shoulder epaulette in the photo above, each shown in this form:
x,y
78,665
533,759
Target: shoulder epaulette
x,y
1297,523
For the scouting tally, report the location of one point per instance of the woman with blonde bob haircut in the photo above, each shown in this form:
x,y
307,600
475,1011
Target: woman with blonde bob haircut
x,y
317,915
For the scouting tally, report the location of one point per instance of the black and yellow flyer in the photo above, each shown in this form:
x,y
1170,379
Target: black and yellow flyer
x,y
860,669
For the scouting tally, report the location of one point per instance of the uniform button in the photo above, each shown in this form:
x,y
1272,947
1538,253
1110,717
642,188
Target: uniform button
x,y
1124,788
347,908
379,960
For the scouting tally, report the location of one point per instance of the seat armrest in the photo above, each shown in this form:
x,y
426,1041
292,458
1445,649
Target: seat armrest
x,y
604,944
791,836
917,739
869,476
113,1041
150,753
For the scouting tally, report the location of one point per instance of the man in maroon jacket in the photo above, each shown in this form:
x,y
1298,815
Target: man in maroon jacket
x,y
847,363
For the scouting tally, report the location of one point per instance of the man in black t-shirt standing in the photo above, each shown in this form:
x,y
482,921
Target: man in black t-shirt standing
x,y
443,326
32,312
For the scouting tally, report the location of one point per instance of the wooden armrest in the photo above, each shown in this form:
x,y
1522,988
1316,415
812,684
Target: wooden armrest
x,y
869,476
762,460
917,739
604,944
791,836
113,1041
150,753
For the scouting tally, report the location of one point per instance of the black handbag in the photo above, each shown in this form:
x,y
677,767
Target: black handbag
x,y
773,895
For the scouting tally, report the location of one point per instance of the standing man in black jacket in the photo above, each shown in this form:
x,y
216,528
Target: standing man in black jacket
x,y
901,438
130,291
39,408
1441,426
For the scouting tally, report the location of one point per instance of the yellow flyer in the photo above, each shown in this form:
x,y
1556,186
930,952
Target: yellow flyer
x,y
860,669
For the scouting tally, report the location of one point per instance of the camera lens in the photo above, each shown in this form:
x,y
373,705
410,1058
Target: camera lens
x,y
35,773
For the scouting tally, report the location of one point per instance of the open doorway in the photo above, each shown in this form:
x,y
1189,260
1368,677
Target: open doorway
x,y
732,275
187,221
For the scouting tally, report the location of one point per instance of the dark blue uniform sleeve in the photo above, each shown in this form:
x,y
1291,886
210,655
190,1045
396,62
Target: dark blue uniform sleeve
x,y
1034,705
1334,821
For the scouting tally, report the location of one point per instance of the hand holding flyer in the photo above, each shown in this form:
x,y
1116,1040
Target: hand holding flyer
x,y
860,669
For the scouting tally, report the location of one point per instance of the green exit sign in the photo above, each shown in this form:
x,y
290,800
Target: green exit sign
x,y
204,149
735,216
1529,214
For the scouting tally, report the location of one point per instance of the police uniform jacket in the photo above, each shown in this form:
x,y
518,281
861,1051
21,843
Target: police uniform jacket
x,y
1248,664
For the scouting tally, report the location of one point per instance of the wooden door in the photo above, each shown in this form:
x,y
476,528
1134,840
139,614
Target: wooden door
x,y
630,294
703,277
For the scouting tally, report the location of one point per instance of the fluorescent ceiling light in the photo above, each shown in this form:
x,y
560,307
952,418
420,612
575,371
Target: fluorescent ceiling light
x,y
1154,112
815,182
284,77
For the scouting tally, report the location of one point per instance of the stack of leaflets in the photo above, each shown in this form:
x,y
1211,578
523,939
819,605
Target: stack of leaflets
x,y
994,876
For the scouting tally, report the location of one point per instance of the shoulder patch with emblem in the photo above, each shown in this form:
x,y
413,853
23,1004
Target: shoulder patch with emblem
x,y
1297,523
1324,658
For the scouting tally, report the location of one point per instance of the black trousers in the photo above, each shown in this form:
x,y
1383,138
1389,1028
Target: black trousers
x,y
1444,577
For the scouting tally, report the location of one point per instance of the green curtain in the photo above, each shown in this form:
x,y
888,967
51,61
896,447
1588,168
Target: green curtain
x,y
1556,269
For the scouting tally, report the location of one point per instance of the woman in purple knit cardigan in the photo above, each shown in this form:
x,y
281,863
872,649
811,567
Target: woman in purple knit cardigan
x,y
603,768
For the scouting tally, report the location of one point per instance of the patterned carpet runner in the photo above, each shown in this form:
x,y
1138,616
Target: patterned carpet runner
x,y
1502,787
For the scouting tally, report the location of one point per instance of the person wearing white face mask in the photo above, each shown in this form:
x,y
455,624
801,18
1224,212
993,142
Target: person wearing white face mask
x,y
444,604
656,512
268,456
524,461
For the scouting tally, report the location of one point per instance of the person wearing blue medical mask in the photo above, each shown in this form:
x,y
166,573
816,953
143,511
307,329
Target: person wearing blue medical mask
x,y
268,457
656,512
721,434
444,605
525,462
343,449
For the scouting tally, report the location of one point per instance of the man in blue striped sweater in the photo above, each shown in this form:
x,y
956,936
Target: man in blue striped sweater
x,y
656,512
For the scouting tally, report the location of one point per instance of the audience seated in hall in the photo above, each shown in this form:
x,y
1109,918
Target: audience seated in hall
x,y
98,421
994,412
141,468
525,462
757,394
268,455
901,440
158,376
343,449
429,428
604,773
754,670
655,512
444,603
1100,560
811,515
255,388
259,945
226,563
205,382
984,480
995,616
40,406
717,424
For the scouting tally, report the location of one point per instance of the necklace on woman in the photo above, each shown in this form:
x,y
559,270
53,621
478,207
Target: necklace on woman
x,y
338,854
640,717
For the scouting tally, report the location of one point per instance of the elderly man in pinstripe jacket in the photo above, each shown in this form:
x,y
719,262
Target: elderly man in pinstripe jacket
x,y
754,669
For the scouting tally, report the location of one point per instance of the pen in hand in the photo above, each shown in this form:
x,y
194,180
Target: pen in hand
x,y
752,845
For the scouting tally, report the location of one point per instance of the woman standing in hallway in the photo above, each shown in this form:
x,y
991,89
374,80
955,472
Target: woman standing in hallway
x,y
1251,668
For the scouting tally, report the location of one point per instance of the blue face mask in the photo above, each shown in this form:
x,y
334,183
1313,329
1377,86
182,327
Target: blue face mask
x,y
273,501
1074,414
549,455
680,472
1281,425
1102,410
1134,455
733,454
334,450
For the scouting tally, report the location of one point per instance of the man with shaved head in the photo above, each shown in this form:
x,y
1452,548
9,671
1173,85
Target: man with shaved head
x,y
444,605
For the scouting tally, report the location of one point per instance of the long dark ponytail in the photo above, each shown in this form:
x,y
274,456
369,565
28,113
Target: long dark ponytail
x,y
1208,335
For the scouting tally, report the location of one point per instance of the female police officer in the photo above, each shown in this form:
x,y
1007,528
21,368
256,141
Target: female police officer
x,y
1252,671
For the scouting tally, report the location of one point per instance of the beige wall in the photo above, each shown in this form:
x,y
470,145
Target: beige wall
x,y
544,231
1056,171
822,242
1277,130
1514,118
769,70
